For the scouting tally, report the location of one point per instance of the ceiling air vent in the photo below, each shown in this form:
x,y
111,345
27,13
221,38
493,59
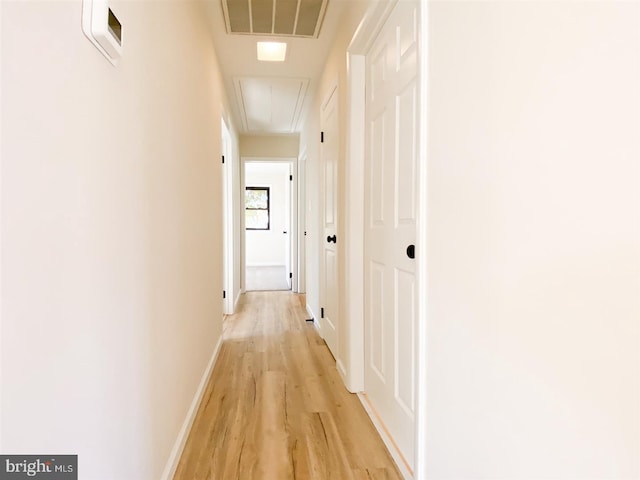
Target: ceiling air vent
x,y
293,18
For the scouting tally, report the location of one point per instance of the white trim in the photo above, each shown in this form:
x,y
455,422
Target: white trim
x,y
302,252
181,440
421,456
294,228
342,370
354,222
228,232
395,453
310,312
237,300
315,321
243,230
370,26
362,40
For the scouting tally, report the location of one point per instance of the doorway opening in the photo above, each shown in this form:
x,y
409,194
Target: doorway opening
x,y
270,230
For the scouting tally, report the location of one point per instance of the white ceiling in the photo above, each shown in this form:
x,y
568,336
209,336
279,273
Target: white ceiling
x,y
270,104
271,97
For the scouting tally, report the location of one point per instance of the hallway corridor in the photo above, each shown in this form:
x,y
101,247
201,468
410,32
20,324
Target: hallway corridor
x,y
279,409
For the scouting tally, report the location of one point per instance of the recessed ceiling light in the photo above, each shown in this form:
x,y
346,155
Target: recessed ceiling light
x,y
272,51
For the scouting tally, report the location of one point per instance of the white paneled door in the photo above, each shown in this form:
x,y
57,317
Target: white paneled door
x,y
390,225
329,238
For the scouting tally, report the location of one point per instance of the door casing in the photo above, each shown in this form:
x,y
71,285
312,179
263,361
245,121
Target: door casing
x,y
229,245
294,233
353,235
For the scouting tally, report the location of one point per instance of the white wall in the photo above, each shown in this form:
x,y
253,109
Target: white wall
x,y
111,248
269,247
533,248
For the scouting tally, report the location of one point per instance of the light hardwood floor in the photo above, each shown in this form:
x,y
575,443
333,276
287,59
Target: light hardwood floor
x,y
275,407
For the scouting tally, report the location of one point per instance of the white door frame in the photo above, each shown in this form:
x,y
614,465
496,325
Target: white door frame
x,y
294,228
364,37
228,302
355,189
302,227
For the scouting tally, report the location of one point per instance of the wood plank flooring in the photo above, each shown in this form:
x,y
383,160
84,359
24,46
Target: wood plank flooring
x,y
275,407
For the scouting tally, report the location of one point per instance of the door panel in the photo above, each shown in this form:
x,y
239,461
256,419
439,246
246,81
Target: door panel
x,y
376,332
331,290
406,167
405,285
376,193
391,210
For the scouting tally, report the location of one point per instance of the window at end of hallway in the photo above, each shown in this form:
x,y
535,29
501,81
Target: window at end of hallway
x,y
256,204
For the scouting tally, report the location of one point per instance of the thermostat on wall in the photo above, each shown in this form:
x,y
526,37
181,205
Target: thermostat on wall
x,y
102,28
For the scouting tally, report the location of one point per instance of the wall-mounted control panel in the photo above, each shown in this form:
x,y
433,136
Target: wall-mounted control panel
x,y
102,28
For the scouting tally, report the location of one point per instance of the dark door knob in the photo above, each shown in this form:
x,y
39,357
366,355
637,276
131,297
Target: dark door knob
x,y
284,232
411,251
331,239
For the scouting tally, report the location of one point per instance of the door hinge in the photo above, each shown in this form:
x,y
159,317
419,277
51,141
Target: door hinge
x,y
322,312
290,275
291,178
321,137
224,294
222,158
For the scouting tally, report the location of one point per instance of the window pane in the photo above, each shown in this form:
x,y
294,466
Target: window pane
x,y
257,219
256,198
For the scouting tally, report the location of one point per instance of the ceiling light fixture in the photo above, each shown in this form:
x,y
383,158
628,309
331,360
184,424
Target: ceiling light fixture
x,y
272,51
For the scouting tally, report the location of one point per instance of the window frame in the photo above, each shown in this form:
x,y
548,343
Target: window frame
x,y
268,209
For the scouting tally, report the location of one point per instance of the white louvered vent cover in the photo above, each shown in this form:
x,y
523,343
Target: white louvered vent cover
x,y
298,18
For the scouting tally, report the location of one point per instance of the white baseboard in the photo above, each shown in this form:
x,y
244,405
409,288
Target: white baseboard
x,y
178,447
397,456
235,305
315,322
310,312
343,373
